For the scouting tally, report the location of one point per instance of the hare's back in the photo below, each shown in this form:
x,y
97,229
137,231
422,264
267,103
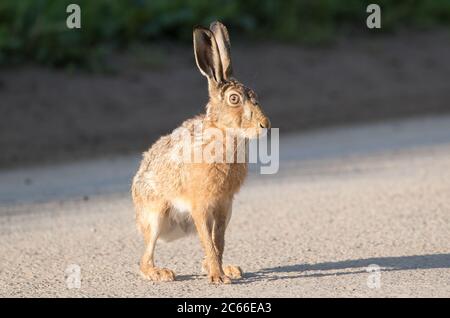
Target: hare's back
x,y
161,167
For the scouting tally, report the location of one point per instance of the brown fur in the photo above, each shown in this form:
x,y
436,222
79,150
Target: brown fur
x,y
163,184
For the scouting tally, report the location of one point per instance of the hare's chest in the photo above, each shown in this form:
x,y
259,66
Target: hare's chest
x,y
230,177
215,180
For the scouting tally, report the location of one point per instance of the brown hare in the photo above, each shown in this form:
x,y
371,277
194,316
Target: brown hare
x,y
174,197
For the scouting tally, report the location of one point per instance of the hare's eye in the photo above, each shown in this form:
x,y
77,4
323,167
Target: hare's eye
x,y
234,99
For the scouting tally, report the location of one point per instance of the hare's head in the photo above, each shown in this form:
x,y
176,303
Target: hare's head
x,y
231,105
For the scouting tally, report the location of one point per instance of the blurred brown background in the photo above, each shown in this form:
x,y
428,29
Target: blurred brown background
x,y
128,75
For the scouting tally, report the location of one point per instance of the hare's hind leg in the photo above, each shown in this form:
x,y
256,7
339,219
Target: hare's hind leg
x,y
151,222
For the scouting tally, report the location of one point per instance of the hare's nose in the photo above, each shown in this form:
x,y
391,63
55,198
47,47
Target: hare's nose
x,y
265,123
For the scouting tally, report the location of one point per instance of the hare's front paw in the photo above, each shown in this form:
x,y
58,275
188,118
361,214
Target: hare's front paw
x,y
219,279
158,274
232,271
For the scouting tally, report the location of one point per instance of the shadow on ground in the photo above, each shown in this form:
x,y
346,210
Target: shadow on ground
x,y
386,264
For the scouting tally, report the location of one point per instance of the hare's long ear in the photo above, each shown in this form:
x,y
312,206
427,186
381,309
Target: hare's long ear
x,y
223,42
207,55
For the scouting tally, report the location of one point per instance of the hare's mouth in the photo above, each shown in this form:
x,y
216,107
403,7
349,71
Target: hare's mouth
x,y
252,133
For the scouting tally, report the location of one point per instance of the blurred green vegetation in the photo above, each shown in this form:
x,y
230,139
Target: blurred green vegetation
x,y
35,30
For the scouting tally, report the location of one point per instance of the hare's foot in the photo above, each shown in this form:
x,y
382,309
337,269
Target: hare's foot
x,y
234,272
219,279
158,274
215,278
